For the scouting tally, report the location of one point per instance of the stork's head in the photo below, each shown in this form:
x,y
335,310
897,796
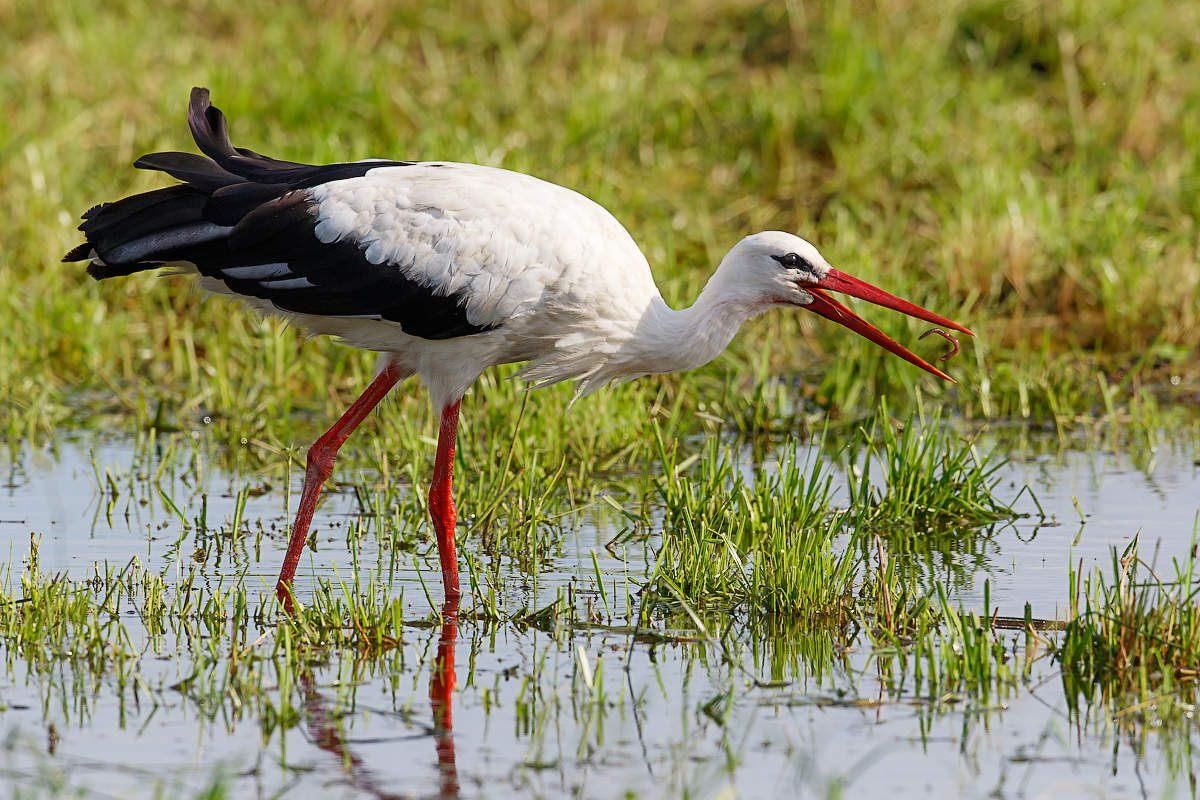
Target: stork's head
x,y
776,268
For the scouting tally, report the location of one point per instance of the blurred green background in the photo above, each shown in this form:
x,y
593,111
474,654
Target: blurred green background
x,y
1031,169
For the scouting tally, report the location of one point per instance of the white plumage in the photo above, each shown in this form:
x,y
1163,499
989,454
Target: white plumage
x,y
556,279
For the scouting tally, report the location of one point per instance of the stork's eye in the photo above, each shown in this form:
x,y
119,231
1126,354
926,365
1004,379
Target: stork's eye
x,y
793,261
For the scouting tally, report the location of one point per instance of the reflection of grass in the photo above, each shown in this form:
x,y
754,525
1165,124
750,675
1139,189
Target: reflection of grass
x,y
1131,644
78,637
931,648
1049,205
770,549
757,559
50,623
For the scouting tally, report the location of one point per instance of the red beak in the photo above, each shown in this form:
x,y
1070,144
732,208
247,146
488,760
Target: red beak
x,y
831,309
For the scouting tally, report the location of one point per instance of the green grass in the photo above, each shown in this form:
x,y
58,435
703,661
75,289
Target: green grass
x,y
916,479
1133,643
793,592
768,548
766,543
775,542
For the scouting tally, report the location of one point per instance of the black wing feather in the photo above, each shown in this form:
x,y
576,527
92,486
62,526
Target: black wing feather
x,y
211,132
131,218
344,282
271,219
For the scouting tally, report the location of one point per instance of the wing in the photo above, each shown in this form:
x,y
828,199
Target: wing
x,y
274,253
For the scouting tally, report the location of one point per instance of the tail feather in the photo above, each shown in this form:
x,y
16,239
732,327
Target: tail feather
x,y
208,126
163,241
211,132
80,252
140,214
147,230
131,231
190,168
229,204
187,222
105,215
101,271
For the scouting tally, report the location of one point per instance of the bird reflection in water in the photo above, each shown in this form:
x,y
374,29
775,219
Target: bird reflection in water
x,y
325,733
441,699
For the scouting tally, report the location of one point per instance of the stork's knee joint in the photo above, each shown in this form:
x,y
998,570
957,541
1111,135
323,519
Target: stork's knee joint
x,y
320,459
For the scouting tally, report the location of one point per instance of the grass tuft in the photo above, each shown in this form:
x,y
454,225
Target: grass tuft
x,y
1134,635
929,479
766,541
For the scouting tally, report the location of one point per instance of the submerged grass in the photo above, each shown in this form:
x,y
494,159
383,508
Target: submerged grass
x,y
928,647
220,645
232,657
768,545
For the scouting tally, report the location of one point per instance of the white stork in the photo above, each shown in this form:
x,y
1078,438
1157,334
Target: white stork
x,y
446,269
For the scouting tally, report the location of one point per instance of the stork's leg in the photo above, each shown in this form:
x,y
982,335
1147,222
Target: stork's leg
x,y
320,465
441,499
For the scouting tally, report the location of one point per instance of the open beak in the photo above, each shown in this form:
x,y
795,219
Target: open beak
x,y
829,308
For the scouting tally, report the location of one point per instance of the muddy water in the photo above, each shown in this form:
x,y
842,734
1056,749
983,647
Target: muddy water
x,y
587,712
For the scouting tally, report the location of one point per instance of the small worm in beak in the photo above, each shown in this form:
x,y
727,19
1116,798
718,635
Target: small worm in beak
x,y
953,342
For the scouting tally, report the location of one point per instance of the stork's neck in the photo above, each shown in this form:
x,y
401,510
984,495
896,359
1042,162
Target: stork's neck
x,y
691,337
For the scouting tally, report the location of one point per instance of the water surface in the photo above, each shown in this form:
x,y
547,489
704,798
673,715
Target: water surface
x,y
586,711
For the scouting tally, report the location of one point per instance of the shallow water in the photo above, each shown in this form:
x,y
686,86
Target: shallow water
x,y
584,712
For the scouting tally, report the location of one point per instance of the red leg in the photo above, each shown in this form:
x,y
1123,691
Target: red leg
x,y
441,499
320,465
